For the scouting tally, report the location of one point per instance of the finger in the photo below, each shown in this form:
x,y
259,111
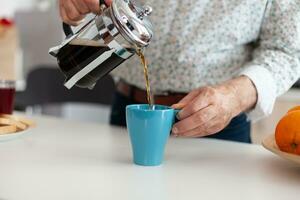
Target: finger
x,y
63,15
214,129
81,7
178,105
72,12
66,19
214,126
201,101
62,12
195,120
183,102
189,97
202,130
108,2
93,6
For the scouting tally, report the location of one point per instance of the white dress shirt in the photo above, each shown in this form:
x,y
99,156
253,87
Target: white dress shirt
x,y
205,42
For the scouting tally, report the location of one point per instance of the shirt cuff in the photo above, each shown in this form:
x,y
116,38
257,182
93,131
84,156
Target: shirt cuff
x,y
266,91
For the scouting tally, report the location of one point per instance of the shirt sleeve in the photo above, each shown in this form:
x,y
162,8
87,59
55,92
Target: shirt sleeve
x,y
275,65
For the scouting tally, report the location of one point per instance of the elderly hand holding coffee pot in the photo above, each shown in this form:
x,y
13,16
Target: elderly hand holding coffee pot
x,y
222,63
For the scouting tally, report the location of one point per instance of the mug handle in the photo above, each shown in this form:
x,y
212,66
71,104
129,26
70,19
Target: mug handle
x,y
175,118
67,29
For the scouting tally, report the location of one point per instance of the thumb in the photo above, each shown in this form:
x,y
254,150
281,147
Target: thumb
x,y
183,102
178,105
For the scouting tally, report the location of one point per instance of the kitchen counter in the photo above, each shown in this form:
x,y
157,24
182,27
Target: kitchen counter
x,y
73,160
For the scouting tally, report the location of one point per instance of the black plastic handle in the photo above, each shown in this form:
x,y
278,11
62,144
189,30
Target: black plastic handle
x,y
67,29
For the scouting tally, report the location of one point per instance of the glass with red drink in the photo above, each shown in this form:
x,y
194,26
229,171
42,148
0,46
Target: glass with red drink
x,y
7,95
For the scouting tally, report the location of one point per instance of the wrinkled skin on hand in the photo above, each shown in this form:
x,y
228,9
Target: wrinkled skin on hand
x,y
208,110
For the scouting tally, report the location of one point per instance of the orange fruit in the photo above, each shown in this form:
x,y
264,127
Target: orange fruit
x,y
293,109
287,133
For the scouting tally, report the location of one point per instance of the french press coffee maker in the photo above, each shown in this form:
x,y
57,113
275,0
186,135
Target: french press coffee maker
x,y
103,43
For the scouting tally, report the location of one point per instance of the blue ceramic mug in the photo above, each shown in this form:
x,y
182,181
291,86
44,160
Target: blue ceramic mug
x,y
149,130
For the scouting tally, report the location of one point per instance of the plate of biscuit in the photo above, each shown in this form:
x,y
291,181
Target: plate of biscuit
x,y
12,126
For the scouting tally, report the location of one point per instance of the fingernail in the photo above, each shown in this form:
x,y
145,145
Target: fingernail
x,y
175,130
178,105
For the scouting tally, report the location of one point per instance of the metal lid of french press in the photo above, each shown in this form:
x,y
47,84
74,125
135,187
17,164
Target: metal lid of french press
x,y
133,22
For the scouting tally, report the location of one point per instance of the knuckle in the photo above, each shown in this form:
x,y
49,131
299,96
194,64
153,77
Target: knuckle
x,y
204,90
209,132
89,1
215,129
73,15
194,108
178,127
205,133
219,109
211,91
181,127
205,126
206,130
225,119
211,94
195,91
200,130
220,125
198,118
92,3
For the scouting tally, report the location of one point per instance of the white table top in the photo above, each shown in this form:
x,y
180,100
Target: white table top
x,y
70,160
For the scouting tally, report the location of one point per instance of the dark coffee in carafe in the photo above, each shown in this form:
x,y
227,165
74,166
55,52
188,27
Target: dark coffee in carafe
x,y
73,58
103,43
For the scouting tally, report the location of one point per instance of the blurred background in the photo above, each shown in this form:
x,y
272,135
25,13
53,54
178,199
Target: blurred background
x,y
40,87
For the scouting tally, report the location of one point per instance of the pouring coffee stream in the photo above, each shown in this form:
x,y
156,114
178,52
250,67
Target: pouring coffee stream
x,y
103,43
146,76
